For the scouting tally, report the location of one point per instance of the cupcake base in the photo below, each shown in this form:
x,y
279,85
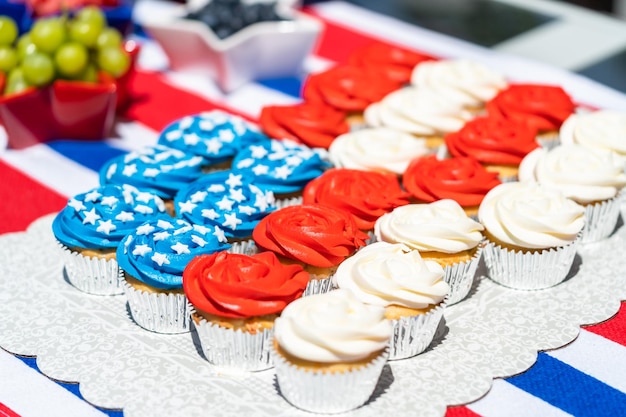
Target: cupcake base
x,y
97,274
601,219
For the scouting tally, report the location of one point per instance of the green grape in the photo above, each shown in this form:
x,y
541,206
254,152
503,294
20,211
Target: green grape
x,y
71,59
89,74
8,30
25,46
38,69
48,34
109,37
93,15
8,58
85,32
16,81
113,60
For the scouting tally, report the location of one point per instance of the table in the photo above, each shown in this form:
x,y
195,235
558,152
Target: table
x,y
588,377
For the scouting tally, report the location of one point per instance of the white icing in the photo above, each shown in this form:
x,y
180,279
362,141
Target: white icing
x,y
601,129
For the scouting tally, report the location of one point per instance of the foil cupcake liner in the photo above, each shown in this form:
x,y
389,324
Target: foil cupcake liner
x,y
327,393
549,141
601,219
158,312
460,277
92,275
235,349
286,202
318,286
413,334
244,247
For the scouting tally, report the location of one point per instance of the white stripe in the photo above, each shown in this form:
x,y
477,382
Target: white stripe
x,y
132,136
596,356
251,98
506,400
31,394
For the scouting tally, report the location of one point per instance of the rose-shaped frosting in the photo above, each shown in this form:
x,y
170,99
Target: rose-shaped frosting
x,y
158,251
314,124
312,234
541,107
224,200
462,179
280,166
387,274
418,111
366,195
529,215
157,168
465,82
493,140
601,129
241,286
581,173
376,149
215,135
441,226
348,87
332,327
101,217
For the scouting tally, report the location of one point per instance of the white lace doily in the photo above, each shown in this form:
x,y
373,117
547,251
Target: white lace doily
x,y
77,337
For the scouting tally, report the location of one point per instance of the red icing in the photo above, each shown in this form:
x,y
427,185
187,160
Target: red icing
x,y
313,234
541,107
240,286
493,140
365,195
314,124
462,179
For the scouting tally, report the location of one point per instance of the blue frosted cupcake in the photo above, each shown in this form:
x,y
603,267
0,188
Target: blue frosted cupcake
x,y
90,228
152,259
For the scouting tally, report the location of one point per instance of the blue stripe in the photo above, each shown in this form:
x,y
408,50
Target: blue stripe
x,y
569,389
90,154
289,85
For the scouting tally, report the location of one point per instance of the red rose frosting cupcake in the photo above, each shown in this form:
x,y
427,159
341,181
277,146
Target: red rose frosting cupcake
x,y
236,299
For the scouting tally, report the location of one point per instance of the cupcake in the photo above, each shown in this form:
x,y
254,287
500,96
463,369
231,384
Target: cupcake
x,y
599,129
462,179
152,259
236,299
90,228
317,237
215,135
391,61
329,351
411,290
592,177
441,232
532,234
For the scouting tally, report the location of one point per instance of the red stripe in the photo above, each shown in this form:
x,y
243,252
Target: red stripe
x,y
460,411
7,412
614,328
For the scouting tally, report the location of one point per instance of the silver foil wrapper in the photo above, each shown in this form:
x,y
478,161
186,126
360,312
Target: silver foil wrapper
x,y
318,286
244,247
286,202
601,219
327,393
92,275
460,277
549,141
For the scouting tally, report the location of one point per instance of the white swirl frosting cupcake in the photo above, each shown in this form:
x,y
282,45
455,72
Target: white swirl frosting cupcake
x,y
600,129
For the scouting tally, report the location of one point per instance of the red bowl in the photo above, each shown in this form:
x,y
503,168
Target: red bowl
x,y
65,109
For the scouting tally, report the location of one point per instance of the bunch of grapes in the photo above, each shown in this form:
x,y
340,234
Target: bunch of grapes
x,y
60,48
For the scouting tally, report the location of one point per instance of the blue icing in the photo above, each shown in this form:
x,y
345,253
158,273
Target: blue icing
x,y
101,217
281,166
215,135
158,251
157,168
227,200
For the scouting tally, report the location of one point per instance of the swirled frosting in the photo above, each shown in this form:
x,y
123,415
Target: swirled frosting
x,y
462,179
215,135
541,107
224,201
394,62
493,140
376,149
387,274
601,129
529,215
441,226
312,234
242,286
157,252
581,173
157,168
465,82
280,166
332,327
101,217
418,111
314,124
366,195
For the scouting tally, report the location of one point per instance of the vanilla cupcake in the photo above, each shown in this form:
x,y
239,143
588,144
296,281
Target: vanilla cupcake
x,y
442,232
600,129
411,289
329,351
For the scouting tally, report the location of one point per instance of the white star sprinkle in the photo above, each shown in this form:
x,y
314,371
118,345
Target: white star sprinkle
x,y
213,145
129,170
143,209
173,135
258,152
164,224
198,240
206,125
247,210
219,234
144,229
282,172
210,214
260,169
216,188
76,204
186,207
109,201
160,259
233,180
161,236
231,221
144,197
141,250
92,196
185,123
227,136
106,227
225,204
201,229
191,139
261,202
180,248
245,163
91,216
198,196
237,194
125,216
151,172
183,230
111,170
293,161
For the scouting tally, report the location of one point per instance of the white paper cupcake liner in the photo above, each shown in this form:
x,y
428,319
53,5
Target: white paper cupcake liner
x,y
318,286
327,393
235,349
601,219
413,334
96,276
158,312
531,270
460,277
